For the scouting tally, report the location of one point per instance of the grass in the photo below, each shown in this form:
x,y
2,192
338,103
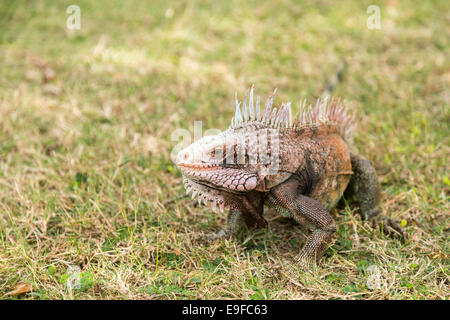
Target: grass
x,y
85,139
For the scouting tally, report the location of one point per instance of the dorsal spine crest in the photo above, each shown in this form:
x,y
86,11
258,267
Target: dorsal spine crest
x,y
324,112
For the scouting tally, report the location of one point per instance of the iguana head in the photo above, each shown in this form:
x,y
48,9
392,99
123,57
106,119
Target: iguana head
x,y
220,162
218,166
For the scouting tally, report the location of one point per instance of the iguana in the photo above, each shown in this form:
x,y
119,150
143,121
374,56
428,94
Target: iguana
x,y
300,165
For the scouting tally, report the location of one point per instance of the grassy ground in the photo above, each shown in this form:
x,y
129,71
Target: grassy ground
x,y
86,118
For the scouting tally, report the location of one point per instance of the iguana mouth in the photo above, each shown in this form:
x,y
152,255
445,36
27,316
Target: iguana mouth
x,y
198,166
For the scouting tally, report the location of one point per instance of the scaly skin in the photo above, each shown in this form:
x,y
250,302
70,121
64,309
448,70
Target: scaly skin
x,y
300,166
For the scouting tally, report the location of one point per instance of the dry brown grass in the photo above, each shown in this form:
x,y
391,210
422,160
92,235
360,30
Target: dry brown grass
x,y
85,125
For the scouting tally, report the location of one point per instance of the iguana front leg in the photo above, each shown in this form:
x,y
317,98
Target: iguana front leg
x,y
248,213
235,222
306,210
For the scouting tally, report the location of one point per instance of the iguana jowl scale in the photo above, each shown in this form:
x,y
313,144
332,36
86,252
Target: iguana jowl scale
x,y
299,165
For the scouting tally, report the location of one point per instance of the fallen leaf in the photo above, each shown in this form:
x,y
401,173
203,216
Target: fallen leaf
x,y
48,75
20,288
117,77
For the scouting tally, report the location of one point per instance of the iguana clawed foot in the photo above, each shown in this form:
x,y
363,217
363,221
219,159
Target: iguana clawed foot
x,y
391,228
237,220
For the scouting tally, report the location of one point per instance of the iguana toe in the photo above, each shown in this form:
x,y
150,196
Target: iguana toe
x,y
392,228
